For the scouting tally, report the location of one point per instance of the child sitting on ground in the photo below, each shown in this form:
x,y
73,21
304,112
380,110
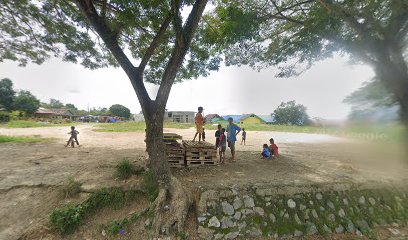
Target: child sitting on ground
x,y
265,152
74,137
273,148
222,145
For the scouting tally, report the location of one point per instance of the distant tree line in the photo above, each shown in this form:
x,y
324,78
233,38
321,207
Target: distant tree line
x,y
290,113
27,104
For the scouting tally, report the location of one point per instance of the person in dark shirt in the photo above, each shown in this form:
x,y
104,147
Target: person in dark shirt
x,y
217,136
222,145
74,137
203,134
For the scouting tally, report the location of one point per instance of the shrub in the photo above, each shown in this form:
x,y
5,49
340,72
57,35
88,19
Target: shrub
x,y
4,116
71,188
116,225
125,169
65,220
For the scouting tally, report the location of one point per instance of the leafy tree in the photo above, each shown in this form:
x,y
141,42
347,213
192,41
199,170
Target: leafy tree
x,y
54,103
292,35
26,102
6,94
291,113
99,112
100,34
71,106
120,111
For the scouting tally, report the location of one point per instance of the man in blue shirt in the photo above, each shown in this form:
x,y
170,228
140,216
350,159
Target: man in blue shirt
x,y
233,131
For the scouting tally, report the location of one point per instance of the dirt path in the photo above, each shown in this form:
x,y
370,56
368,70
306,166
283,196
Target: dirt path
x,y
30,173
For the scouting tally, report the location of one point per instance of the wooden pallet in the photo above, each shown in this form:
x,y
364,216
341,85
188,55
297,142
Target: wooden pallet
x,y
200,163
171,137
190,145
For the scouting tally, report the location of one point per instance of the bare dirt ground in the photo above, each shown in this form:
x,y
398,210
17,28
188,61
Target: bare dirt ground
x,y
31,173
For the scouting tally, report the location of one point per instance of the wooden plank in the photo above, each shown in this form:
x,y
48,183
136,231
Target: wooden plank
x,y
171,136
198,145
201,163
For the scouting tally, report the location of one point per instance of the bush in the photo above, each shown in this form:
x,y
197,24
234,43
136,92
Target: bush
x,y
116,225
4,116
65,220
71,188
125,169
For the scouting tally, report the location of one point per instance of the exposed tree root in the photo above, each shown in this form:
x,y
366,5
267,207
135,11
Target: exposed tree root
x,y
171,208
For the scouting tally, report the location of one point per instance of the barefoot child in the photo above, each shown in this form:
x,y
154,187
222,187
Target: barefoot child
x,y
222,144
233,130
74,137
199,121
273,148
265,152
243,136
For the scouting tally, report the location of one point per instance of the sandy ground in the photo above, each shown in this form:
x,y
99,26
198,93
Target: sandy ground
x,y
31,173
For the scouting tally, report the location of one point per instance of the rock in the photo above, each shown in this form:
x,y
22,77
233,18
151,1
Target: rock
x,y
319,196
147,222
232,235
362,200
339,229
237,203
395,232
363,225
226,222
227,208
291,203
259,211
314,214
103,233
247,211
372,201
331,217
302,207
350,227
327,229
255,232
268,204
201,219
297,219
298,233
242,226
272,217
268,199
218,236
237,215
286,215
359,233
330,204
214,222
311,228
342,213
322,209
205,233
345,201
225,194
248,201
234,192
311,202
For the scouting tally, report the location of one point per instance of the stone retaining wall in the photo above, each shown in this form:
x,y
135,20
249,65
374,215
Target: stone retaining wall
x,y
284,211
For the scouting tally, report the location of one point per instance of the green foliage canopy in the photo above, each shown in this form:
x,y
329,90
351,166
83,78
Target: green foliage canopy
x,y
290,113
26,102
6,94
120,111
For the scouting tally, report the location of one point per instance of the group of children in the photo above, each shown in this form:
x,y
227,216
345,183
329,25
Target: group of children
x,y
221,140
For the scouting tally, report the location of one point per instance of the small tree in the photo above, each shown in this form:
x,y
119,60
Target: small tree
x,y
291,113
26,102
6,94
120,111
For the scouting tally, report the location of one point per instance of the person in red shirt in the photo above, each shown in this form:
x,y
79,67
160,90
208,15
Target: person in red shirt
x,y
273,148
199,121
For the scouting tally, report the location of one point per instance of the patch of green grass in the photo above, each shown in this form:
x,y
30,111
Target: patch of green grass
x,y
33,124
125,169
116,225
71,188
67,219
136,126
23,139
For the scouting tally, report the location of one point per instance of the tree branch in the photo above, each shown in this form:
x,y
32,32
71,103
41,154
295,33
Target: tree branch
x,y
110,38
180,50
155,43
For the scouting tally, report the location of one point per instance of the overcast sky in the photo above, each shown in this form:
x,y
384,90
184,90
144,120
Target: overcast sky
x,y
232,90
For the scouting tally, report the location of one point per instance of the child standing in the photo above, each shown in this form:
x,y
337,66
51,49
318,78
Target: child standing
x,y
199,121
223,145
217,136
74,137
265,152
244,134
273,148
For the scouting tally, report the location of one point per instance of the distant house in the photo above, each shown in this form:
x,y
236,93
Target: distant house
x,y
214,119
179,116
138,117
55,114
268,119
245,118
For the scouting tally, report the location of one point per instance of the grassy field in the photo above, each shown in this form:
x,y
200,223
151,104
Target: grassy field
x,y
32,124
361,131
23,139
